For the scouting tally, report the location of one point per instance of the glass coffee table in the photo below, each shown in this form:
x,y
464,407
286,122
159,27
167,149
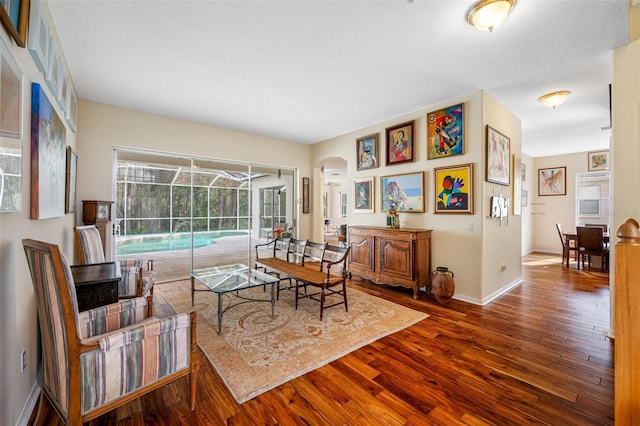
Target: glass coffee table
x,y
226,279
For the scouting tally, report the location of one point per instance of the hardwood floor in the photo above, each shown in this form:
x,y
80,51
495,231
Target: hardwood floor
x,y
537,355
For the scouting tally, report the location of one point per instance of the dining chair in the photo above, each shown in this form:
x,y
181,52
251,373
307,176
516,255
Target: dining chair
x,y
604,226
137,276
568,246
591,243
341,231
97,360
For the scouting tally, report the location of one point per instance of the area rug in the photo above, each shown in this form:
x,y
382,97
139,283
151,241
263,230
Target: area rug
x,y
256,353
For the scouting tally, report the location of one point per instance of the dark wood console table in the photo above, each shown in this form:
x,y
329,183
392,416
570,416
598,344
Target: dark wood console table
x,y
398,257
96,284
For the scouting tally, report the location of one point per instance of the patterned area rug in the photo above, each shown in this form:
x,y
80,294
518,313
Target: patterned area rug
x,y
256,353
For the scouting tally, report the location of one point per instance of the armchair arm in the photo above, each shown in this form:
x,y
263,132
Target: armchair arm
x,y
105,319
146,330
270,243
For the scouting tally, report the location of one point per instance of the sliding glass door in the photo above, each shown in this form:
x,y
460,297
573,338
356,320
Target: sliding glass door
x,y
188,213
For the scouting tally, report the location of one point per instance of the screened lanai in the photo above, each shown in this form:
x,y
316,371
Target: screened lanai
x,y
187,212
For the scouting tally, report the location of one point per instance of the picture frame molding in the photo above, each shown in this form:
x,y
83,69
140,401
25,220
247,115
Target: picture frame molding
x,y
360,144
470,200
563,188
389,132
372,191
420,209
501,173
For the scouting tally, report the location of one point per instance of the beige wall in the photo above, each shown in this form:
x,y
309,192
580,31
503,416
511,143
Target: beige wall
x,y
453,245
549,210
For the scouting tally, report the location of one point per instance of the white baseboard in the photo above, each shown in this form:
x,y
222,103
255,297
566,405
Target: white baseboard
x,y
30,405
486,300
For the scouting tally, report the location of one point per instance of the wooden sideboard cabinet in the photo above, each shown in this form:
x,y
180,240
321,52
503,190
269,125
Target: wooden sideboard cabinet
x,y
398,257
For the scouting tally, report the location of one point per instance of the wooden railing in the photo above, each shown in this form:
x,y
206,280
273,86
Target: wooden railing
x,y
627,327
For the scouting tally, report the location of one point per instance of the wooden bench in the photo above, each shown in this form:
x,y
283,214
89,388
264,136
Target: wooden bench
x,y
331,273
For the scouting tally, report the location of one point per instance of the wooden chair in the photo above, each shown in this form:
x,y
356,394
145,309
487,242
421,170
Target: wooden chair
x,y
341,231
278,248
97,360
568,246
137,275
604,226
591,243
334,262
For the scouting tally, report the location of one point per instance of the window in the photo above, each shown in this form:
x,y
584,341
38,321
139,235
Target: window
x,y
592,198
343,204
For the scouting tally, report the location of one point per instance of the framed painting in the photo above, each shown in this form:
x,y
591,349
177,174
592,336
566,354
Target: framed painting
x,y
498,157
39,31
48,157
367,152
52,77
305,195
363,195
10,132
454,189
71,111
445,132
598,161
400,143
14,15
525,198
552,181
405,192
70,192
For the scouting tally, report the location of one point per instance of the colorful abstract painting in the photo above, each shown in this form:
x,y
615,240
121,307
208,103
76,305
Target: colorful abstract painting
x,y
454,189
48,158
445,132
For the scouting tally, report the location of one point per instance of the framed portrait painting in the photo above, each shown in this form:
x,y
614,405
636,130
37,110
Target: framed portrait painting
x,y
598,161
363,195
454,189
405,192
400,143
498,157
367,152
552,181
445,132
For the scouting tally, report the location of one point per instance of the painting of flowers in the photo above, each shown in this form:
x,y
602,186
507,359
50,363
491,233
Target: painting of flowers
x,y
405,192
454,189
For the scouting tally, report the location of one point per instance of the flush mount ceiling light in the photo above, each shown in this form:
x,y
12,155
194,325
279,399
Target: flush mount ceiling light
x,y
554,99
488,14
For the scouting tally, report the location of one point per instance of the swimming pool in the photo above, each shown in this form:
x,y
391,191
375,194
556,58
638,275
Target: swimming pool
x,y
167,242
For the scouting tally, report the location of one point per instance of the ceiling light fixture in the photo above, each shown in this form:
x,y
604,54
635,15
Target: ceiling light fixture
x,y
488,14
554,99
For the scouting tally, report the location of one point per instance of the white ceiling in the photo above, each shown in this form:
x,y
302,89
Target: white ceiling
x,y
307,71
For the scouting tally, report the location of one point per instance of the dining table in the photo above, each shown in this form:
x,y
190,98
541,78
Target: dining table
x,y
572,240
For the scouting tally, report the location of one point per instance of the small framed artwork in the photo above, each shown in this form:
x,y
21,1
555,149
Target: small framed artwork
x,y
367,152
523,172
405,192
363,195
454,189
498,157
400,143
71,110
305,195
38,41
52,77
63,87
14,15
598,161
70,193
525,198
552,181
445,132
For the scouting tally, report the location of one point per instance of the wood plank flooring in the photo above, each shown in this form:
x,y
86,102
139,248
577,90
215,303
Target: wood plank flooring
x,y
537,355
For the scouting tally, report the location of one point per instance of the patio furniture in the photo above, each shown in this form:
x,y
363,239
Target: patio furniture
x,y
97,360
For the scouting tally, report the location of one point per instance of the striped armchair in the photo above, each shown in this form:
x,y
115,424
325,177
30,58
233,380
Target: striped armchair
x,y
137,275
97,360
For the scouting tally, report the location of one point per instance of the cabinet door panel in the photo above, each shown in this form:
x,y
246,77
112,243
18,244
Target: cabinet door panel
x,y
361,253
396,257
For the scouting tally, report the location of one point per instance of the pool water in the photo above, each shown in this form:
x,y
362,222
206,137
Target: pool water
x,y
167,242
